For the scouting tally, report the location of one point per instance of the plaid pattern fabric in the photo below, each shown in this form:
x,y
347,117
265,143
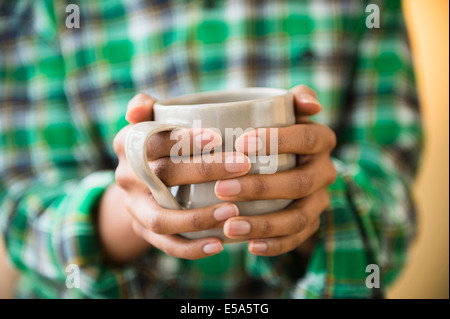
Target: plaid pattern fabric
x,y
63,95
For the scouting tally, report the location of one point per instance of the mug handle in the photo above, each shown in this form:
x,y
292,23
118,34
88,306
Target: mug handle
x,y
136,151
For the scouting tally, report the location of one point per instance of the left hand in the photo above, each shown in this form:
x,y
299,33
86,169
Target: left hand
x,y
276,233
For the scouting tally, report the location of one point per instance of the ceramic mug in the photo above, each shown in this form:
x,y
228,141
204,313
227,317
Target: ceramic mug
x,y
233,111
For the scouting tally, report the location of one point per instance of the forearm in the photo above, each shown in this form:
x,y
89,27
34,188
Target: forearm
x,y
118,241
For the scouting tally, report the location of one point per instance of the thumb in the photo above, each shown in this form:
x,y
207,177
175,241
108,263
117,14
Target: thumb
x,y
140,109
305,100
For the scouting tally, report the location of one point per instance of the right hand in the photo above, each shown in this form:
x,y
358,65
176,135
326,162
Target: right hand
x,y
160,226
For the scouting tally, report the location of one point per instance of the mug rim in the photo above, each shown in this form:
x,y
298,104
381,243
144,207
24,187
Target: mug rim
x,y
180,101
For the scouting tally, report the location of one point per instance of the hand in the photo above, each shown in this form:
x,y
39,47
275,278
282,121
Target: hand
x,y
159,226
276,233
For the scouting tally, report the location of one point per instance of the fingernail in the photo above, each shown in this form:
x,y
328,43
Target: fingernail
x,y
238,228
207,137
306,98
138,100
249,144
258,246
237,163
228,187
132,109
225,212
211,249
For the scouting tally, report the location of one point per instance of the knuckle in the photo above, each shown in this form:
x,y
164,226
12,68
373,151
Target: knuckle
x,y
122,177
119,142
316,225
267,228
183,251
195,220
301,222
187,253
162,169
154,223
281,140
259,186
333,139
333,174
302,185
159,146
309,139
205,169
154,147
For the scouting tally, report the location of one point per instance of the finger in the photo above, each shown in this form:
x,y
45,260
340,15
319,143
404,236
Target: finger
x,y
305,100
163,221
296,139
183,142
119,142
128,180
200,168
303,119
179,247
140,108
281,245
178,143
294,219
292,184
124,175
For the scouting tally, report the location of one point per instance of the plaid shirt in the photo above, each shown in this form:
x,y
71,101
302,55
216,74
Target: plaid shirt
x,y
63,97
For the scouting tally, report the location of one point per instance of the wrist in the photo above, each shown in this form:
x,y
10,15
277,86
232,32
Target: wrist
x,y
118,242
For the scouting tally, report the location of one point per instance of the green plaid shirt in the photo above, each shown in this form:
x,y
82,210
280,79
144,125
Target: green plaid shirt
x,y
63,97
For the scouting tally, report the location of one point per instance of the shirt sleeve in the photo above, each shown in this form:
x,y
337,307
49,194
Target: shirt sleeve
x,y
49,184
371,218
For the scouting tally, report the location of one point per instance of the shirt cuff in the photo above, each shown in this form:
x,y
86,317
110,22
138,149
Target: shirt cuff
x,y
77,244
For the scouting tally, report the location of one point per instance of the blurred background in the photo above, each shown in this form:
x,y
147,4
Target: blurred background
x,y
427,275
